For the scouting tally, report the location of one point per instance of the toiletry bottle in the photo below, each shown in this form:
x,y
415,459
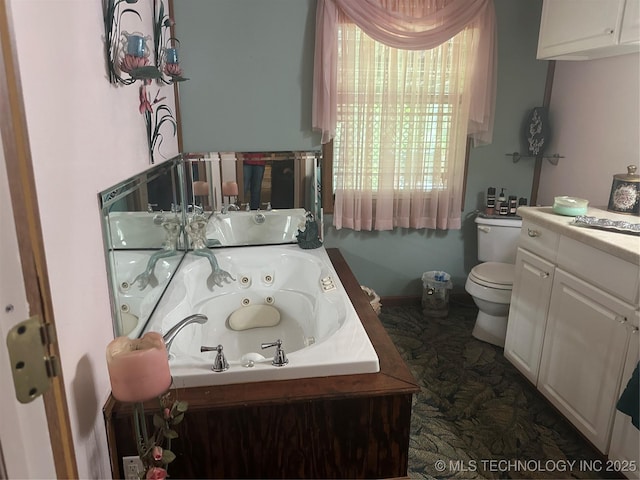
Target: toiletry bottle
x,y
502,205
513,204
521,202
491,201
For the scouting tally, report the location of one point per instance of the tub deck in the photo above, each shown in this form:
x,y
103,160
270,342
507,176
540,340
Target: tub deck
x,y
347,426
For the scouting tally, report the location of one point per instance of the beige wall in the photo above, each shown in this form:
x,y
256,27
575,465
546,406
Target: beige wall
x,y
85,135
594,118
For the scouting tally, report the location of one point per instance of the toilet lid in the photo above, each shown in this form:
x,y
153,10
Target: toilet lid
x,y
494,274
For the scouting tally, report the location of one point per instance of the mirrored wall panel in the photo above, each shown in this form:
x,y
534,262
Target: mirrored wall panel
x,y
142,220
254,198
147,218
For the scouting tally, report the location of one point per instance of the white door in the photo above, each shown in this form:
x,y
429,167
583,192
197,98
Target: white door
x,y
35,438
24,434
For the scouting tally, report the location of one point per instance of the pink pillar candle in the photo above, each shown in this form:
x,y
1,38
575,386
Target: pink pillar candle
x,y
138,368
229,189
200,188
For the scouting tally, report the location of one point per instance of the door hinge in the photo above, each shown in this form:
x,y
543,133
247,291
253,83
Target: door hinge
x,y
32,364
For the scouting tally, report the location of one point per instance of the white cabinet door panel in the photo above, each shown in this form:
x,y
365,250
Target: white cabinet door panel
x,y
630,30
625,439
569,26
583,355
528,313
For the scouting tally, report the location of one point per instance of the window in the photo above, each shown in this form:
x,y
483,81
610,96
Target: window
x,y
400,113
401,126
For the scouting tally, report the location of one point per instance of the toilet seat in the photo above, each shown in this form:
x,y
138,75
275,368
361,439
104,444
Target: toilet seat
x,y
493,275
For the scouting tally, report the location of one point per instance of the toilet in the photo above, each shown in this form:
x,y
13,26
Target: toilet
x,y
490,283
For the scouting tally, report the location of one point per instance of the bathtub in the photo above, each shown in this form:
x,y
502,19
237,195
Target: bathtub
x,y
319,328
135,230
133,302
256,227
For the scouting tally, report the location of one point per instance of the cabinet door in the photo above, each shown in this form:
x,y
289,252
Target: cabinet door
x,y
528,313
625,439
577,26
584,349
630,30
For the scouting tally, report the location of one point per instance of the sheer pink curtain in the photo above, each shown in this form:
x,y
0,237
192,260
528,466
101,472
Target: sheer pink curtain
x,y
375,200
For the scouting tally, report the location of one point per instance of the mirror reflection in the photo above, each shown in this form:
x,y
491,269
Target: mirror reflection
x,y
149,220
144,241
254,198
253,180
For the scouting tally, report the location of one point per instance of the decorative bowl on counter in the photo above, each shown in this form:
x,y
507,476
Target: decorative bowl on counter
x,y
570,206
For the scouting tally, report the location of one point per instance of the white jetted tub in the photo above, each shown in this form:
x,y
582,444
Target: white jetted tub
x,y
256,226
319,328
136,298
133,230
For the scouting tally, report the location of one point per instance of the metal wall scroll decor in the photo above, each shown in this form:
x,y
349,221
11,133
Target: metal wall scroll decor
x,y
536,133
129,59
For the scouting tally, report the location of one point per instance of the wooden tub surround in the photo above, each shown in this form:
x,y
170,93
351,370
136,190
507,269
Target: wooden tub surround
x,y
347,426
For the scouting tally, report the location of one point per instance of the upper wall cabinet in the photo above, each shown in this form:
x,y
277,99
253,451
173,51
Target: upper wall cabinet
x,y
587,29
630,29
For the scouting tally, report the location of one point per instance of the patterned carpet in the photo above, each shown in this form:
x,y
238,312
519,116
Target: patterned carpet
x,y
476,416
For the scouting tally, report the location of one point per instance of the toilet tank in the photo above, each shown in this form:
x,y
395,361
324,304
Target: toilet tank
x,y
498,239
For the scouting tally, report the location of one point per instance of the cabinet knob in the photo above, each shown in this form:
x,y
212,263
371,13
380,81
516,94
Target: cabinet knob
x,y
533,233
621,319
544,275
634,330
609,31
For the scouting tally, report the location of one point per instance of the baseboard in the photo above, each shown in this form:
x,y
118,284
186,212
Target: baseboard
x,y
462,299
405,301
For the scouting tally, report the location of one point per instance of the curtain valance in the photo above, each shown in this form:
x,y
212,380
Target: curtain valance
x,y
437,22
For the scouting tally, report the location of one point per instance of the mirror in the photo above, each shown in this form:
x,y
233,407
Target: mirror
x,y
144,241
287,185
144,218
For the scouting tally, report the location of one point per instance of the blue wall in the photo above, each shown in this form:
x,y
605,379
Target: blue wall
x,y
251,66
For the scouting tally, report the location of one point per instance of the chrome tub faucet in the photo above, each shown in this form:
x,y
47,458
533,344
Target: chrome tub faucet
x,y
173,331
232,207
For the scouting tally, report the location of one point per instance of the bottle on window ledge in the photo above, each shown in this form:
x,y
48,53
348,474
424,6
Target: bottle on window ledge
x,y
491,201
502,205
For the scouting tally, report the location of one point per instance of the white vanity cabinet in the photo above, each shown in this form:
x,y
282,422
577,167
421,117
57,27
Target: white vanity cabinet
x,y
625,438
586,29
573,321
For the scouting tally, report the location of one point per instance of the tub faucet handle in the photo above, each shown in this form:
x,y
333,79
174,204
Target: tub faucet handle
x,y
280,358
220,364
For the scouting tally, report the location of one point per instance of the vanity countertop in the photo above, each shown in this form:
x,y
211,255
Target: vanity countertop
x,y
622,245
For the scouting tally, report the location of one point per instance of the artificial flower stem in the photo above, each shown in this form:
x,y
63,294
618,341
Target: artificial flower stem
x,y
140,426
